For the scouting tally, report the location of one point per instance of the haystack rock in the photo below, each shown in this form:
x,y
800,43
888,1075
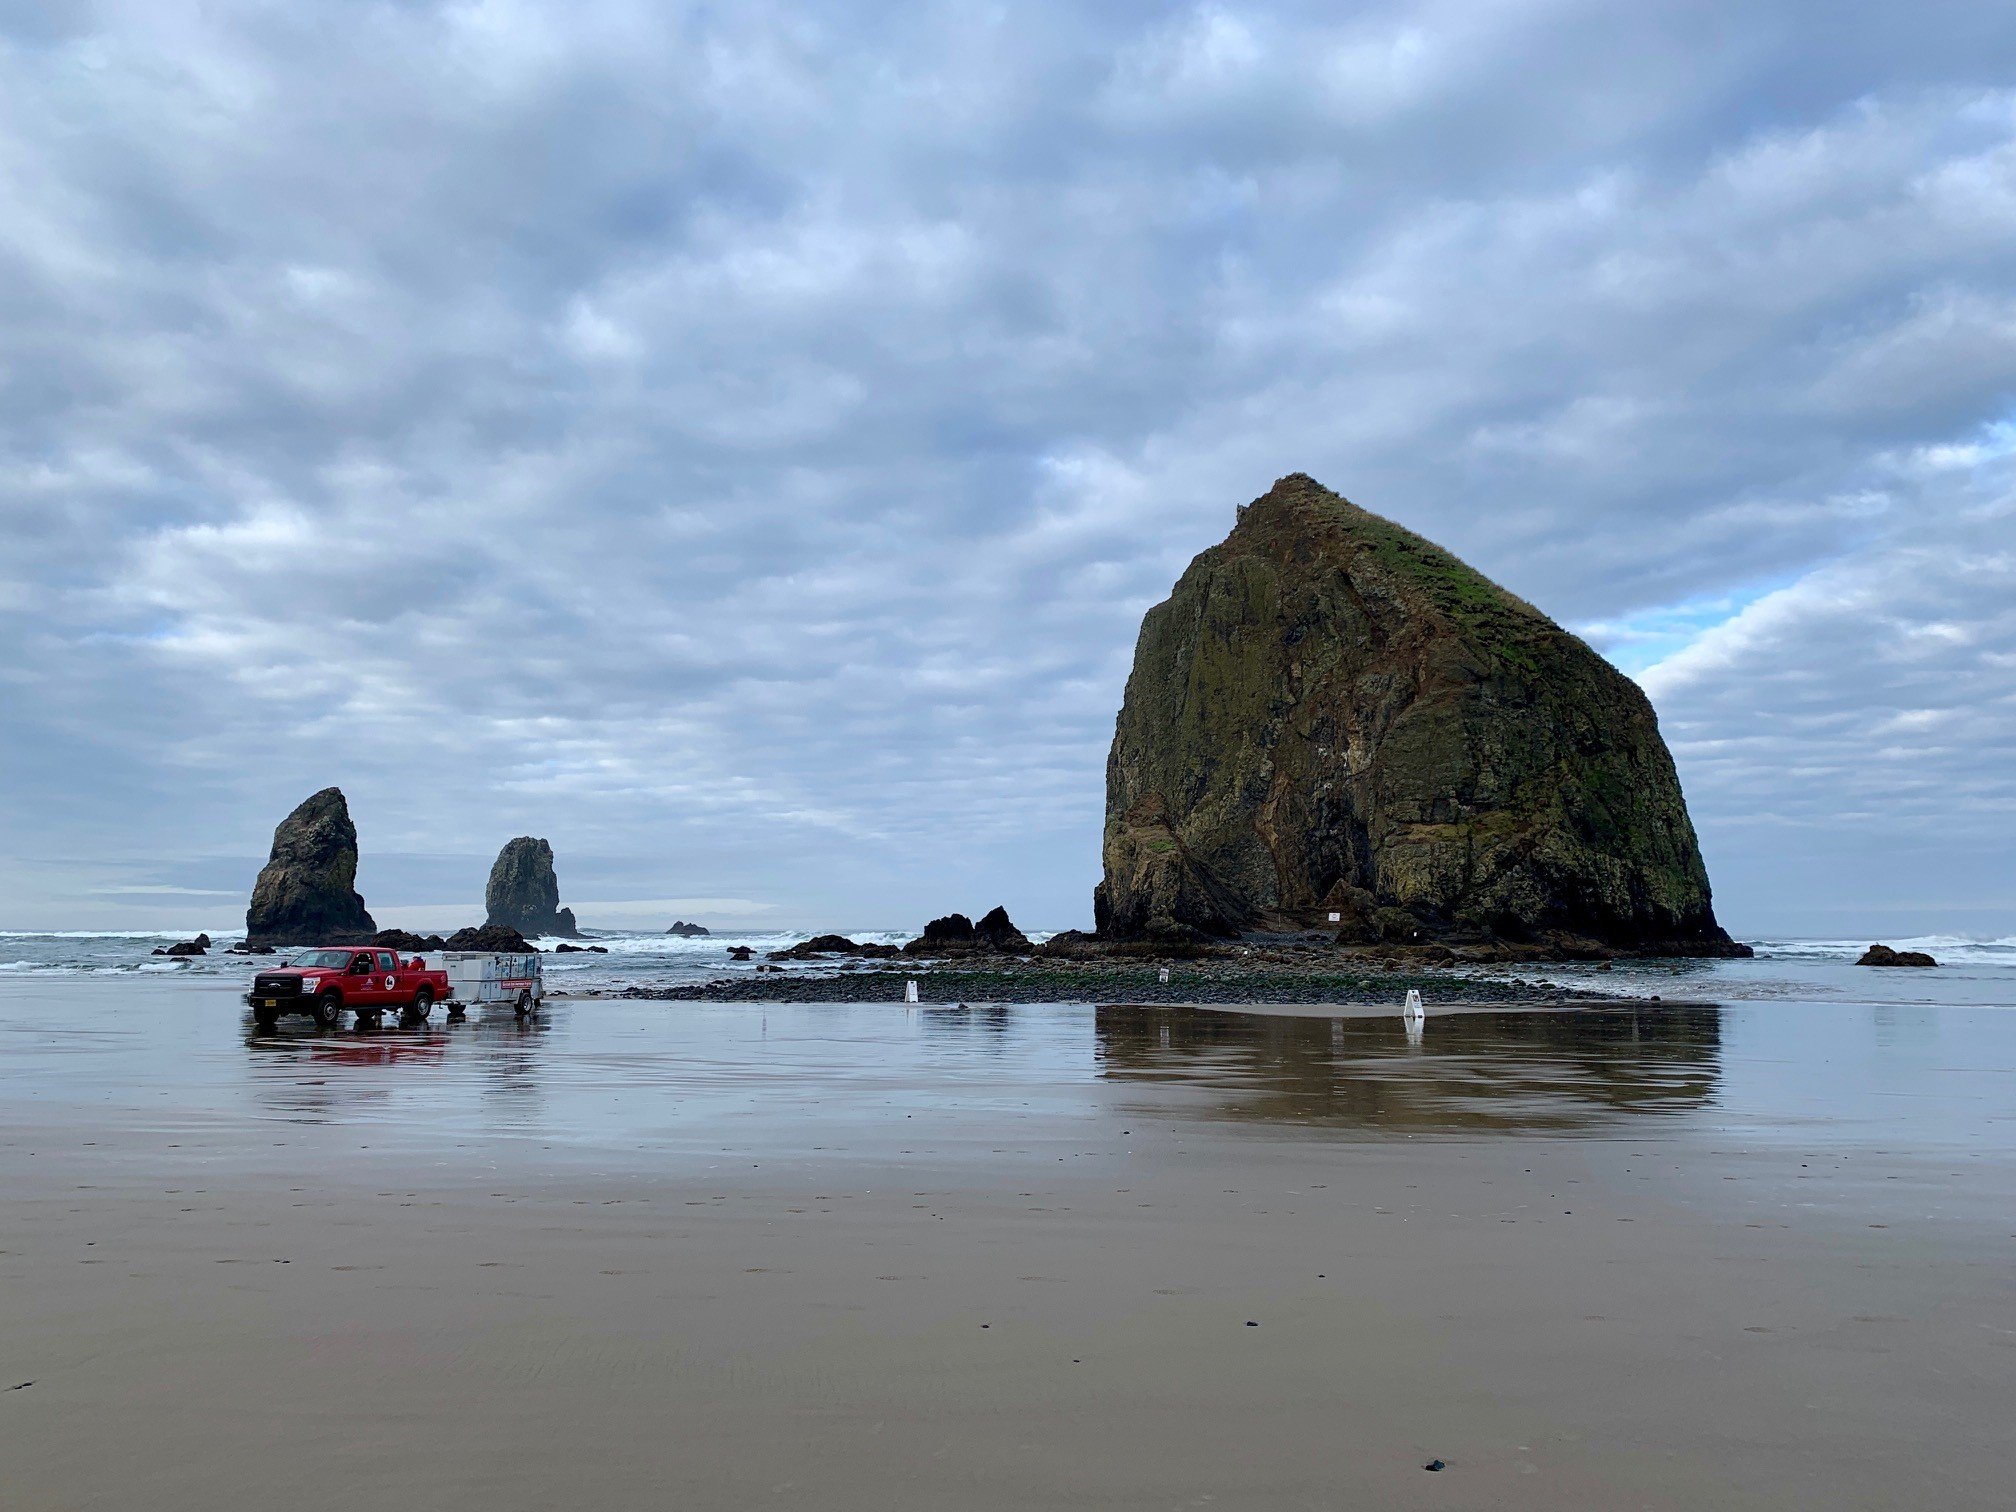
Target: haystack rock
x,y
306,893
523,894
1334,724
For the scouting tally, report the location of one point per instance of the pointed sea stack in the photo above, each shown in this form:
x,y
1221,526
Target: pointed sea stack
x,y
523,894
1334,724
306,892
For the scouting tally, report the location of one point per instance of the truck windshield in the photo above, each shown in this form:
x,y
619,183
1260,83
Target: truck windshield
x,y
334,960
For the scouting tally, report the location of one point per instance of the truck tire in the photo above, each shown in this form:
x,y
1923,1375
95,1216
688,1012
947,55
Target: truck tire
x,y
329,1009
421,1006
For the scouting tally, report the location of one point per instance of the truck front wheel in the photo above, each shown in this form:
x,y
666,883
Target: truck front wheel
x,y
329,1009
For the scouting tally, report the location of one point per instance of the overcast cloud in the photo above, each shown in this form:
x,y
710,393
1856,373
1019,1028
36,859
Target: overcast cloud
x,y
738,442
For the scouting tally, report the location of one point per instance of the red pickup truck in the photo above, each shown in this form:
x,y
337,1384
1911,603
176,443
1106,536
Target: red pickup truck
x,y
324,982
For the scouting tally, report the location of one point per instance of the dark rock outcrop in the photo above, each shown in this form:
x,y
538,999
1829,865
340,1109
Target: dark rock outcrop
x,y
563,948
998,932
688,931
955,934
389,939
739,952
523,894
952,933
1334,724
495,938
306,893
831,944
196,947
1883,955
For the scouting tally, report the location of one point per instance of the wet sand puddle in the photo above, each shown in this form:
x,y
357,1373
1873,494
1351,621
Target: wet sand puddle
x,y
185,1057
994,1257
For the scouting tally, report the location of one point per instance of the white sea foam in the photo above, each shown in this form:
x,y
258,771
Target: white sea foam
x,y
1948,949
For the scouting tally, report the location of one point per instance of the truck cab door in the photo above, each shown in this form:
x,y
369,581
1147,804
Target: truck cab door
x,y
361,985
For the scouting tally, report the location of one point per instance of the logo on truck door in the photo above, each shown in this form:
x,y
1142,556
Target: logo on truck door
x,y
390,983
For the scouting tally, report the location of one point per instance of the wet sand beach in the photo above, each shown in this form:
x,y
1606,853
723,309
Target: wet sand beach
x,y
696,1255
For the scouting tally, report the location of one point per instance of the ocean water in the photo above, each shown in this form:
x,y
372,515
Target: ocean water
x,y
1972,972
632,959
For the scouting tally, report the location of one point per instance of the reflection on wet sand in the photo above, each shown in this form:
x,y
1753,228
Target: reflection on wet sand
x,y
307,1073
1552,1072
1470,1072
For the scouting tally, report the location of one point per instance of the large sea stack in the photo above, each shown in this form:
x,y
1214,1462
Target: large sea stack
x,y
1334,724
306,892
523,894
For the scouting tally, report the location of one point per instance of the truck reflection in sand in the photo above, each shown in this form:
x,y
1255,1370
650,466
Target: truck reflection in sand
x,y
494,1062
370,981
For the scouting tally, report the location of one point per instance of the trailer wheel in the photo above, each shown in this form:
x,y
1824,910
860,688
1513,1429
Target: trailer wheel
x,y
329,1009
523,1007
423,1003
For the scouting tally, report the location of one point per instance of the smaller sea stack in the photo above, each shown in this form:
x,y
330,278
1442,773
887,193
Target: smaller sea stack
x,y
523,894
306,892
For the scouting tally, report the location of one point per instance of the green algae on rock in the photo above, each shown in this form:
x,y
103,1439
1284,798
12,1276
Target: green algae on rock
x,y
1334,724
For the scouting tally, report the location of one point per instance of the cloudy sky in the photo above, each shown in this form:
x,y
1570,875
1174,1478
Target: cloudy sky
x,y
738,441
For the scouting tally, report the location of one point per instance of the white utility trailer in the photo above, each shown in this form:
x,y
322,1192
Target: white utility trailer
x,y
481,976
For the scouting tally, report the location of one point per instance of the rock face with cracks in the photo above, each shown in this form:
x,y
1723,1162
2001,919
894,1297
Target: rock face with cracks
x,y
1334,724
523,894
306,893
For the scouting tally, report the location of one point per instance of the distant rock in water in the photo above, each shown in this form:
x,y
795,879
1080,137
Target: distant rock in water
x,y
563,948
196,947
406,940
688,931
306,893
998,932
523,894
955,934
499,939
830,944
1883,955
1334,724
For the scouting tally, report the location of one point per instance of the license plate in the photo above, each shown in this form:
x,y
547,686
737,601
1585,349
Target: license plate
x,y
272,1002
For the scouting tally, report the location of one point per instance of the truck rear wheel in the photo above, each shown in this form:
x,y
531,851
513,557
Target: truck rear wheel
x,y
329,1009
422,1005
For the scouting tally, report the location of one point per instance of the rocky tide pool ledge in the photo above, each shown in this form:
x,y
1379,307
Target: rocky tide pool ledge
x,y
1279,978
